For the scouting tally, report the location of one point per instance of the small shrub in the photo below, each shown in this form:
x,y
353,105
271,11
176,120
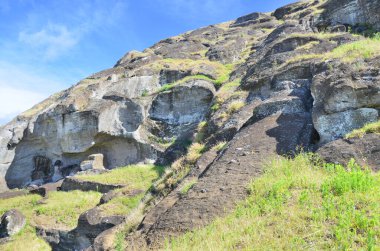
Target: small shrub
x,y
217,103
202,125
194,77
180,169
215,107
268,30
178,164
235,106
303,57
187,187
144,93
201,130
224,116
195,152
220,146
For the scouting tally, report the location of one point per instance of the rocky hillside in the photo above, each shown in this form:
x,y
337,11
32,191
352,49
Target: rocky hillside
x,y
208,108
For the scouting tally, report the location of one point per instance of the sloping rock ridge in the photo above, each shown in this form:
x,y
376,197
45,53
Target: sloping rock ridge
x,y
259,84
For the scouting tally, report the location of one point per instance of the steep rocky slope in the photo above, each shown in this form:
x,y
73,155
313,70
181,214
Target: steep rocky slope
x,y
263,84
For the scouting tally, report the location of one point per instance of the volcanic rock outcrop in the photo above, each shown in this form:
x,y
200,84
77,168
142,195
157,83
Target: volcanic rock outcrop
x,y
264,84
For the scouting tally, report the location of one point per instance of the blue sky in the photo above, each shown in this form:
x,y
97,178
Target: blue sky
x,y
49,45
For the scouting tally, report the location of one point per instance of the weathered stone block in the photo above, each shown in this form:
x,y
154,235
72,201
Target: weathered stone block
x,y
94,161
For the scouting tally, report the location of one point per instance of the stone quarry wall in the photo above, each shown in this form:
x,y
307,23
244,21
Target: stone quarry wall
x,y
127,114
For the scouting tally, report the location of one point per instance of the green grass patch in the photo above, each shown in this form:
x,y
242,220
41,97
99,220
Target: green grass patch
x,y
363,49
319,35
120,244
220,146
26,239
221,71
122,205
359,50
235,106
60,210
144,93
167,87
303,57
231,86
180,168
369,128
224,75
202,125
308,45
186,187
215,107
133,176
298,204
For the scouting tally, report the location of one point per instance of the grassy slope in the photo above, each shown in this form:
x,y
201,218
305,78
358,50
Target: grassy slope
x,y
62,209
369,128
59,210
298,204
359,50
139,177
134,176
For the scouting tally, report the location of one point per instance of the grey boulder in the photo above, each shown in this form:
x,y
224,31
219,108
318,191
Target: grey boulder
x,y
12,222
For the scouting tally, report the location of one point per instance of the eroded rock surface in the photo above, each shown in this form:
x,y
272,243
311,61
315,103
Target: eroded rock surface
x,y
352,12
224,182
11,223
54,143
94,161
345,98
185,104
260,82
365,151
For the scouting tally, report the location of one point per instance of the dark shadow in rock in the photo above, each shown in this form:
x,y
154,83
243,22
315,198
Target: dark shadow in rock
x,y
90,225
177,149
288,143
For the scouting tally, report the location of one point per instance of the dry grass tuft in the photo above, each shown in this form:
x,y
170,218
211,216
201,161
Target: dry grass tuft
x,y
369,128
195,152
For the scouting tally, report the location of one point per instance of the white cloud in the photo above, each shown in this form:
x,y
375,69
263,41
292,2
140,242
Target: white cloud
x,y
14,101
26,77
21,88
52,40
